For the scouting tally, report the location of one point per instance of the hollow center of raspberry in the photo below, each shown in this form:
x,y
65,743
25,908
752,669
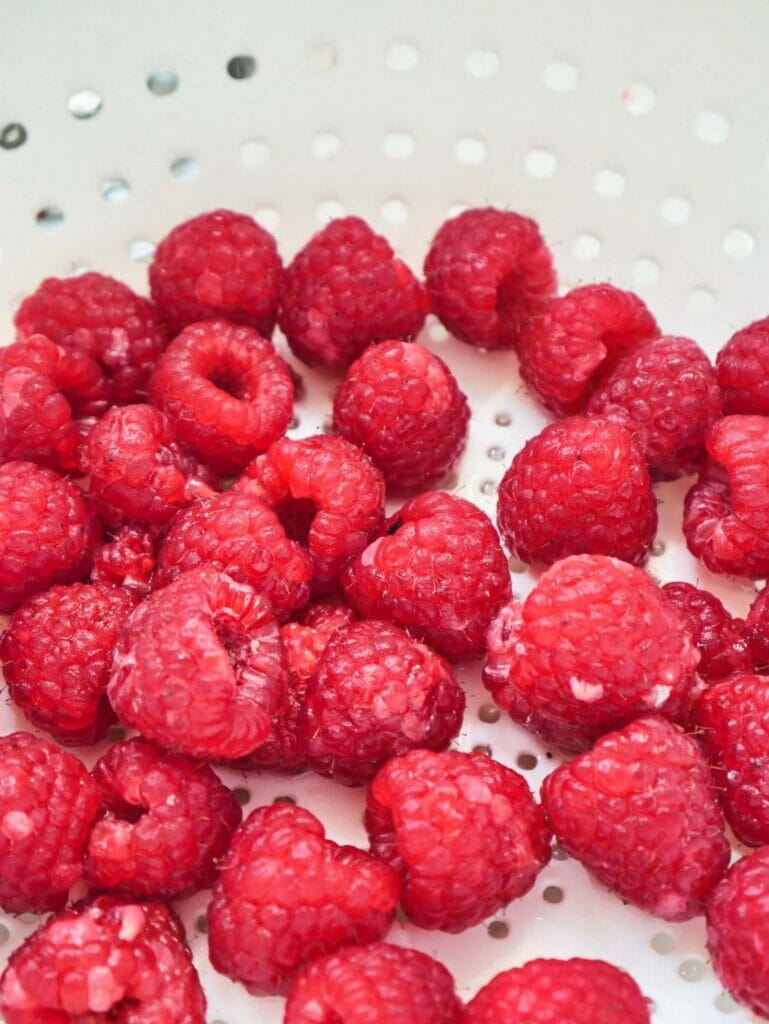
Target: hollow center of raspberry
x,y
129,813
229,381
233,640
296,516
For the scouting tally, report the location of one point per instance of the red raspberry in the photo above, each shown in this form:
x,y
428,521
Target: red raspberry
x,y
48,803
718,636
580,486
57,655
345,290
640,812
226,390
665,393
403,406
237,534
101,316
374,984
438,571
757,633
168,819
287,895
219,264
199,667
487,272
47,533
127,560
581,336
328,495
743,370
462,830
106,960
560,992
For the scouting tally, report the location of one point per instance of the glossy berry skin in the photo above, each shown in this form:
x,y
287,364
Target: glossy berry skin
x,y
438,571
47,532
345,290
127,560
566,350
488,272
402,405
560,992
104,960
47,807
219,264
743,370
581,486
462,830
594,645
287,895
226,391
374,984
167,820
718,636
199,667
640,813
57,655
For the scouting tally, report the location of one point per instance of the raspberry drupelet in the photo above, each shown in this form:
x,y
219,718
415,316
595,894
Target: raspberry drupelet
x,y
718,636
757,632
743,370
127,559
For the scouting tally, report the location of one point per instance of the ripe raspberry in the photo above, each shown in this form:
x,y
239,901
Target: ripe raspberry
x,y
345,290
580,486
757,632
105,960
488,271
438,572
580,337
226,391
167,821
666,394
287,895
743,370
462,830
127,560
48,804
237,534
374,984
57,655
718,636
199,667
403,406
47,533
640,812
101,316
560,992
219,264
328,495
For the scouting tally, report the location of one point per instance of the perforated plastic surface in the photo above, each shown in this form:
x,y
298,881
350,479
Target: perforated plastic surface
x,y
637,134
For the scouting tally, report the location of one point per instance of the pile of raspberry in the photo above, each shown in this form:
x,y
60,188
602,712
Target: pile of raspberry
x,y
194,583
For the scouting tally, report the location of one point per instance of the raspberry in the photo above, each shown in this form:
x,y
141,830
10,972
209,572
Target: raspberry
x,y
47,533
757,633
718,636
105,960
639,811
438,571
57,654
565,350
287,895
167,821
345,290
403,406
219,264
462,830
226,391
726,512
560,992
138,471
488,271
594,645
199,667
580,486
48,804
743,370
328,495
374,984
101,316
237,534
665,393
127,560
376,693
